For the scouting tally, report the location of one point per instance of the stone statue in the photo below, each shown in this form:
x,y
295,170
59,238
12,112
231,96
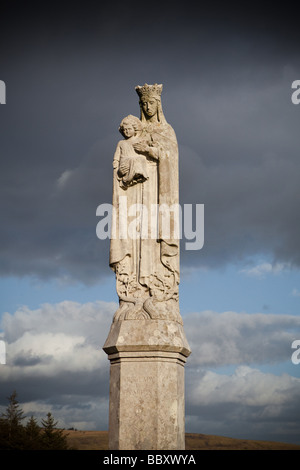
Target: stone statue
x,y
145,175
146,345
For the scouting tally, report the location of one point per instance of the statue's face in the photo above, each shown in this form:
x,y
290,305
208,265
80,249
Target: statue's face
x,y
149,106
128,130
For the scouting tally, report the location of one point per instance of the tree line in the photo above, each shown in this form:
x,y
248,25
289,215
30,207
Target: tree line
x,y
14,435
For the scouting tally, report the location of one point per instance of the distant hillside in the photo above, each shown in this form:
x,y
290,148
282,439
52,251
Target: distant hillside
x,y
98,440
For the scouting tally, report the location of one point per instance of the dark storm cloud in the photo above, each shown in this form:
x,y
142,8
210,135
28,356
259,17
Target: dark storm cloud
x,y
30,360
70,79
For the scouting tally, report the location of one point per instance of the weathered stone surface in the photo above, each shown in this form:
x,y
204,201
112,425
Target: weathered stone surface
x,y
147,402
146,384
147,336
144,248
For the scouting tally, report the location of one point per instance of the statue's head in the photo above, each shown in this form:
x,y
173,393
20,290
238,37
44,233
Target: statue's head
x,y
150,101
130,125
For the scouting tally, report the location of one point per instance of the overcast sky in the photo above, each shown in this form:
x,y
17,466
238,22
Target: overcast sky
x,y
70,73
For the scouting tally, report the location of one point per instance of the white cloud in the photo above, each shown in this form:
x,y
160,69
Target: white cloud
x,y
69,337
55,361
247,404
261,270
219,339
67,317
247,386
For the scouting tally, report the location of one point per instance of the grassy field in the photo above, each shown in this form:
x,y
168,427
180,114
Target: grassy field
x,y
98,440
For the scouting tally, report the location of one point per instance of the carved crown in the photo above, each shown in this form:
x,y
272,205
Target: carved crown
x,y
147,91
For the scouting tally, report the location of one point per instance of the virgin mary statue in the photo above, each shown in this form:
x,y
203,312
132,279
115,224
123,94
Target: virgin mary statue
x,y
144,250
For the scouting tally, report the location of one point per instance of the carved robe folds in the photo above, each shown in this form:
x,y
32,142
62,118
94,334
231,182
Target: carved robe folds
x,y
146,260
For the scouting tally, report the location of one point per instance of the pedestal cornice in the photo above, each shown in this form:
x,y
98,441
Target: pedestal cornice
x,y
151,337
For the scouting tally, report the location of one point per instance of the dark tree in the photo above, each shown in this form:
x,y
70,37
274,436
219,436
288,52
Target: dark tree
x,y
33,435
53,438
15,436
11,428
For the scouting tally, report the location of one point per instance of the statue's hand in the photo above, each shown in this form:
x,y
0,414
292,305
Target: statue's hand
x,y
124,167
145,149
141,147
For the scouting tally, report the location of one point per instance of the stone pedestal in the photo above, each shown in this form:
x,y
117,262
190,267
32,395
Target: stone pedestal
x,y
146,403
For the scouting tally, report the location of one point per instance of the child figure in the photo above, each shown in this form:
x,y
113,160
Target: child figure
x,y
131,165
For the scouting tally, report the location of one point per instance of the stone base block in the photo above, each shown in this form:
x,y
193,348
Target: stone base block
x,y
146,409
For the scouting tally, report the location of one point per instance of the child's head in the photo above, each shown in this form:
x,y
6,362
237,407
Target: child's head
x,y
129,126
